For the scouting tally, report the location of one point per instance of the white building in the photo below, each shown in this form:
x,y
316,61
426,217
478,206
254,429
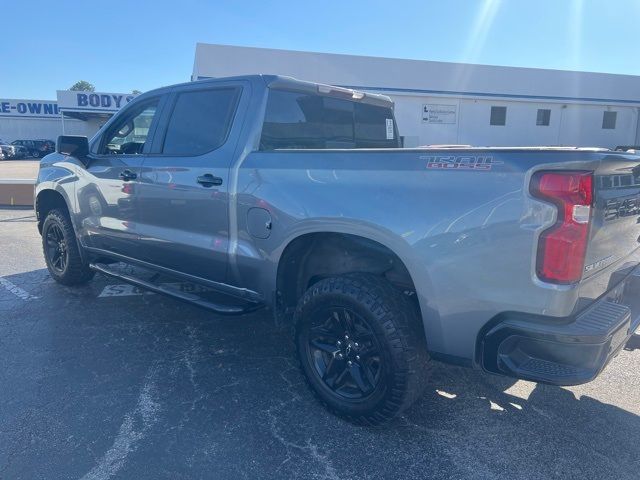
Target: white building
x,y
454,103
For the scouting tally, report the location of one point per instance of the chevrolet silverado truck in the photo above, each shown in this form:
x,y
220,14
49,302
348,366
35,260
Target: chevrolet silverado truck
x,y
296,197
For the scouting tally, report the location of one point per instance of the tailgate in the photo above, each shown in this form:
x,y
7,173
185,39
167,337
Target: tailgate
x,y
615,223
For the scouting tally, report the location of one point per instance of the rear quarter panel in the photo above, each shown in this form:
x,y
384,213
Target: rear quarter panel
x,y
468,236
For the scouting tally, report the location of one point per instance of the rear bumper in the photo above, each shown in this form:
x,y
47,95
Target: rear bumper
x,y
566,351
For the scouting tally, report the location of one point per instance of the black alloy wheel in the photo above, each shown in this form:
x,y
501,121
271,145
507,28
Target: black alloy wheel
x,y
62,252
345,353
56,248
361,347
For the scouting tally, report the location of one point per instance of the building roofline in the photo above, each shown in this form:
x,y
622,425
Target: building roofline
x,y
386,74
418,60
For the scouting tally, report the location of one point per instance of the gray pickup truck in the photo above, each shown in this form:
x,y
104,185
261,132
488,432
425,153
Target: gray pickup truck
x,y
297,197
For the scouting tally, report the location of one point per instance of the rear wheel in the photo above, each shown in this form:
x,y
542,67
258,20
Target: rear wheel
x,y
61,250
361,347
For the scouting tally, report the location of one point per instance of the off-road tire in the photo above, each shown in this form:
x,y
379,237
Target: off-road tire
x,y
394,321
75,271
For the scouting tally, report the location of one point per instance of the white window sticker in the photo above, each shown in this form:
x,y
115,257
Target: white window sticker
x,y
390,129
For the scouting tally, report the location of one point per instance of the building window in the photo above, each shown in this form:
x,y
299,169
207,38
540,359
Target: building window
x,y
544,117
498,116
609,120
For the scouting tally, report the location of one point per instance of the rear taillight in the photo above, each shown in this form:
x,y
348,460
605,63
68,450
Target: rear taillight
x,y
562,247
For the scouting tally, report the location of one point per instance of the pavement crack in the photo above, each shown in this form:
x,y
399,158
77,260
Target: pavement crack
x,y
308,447
190,355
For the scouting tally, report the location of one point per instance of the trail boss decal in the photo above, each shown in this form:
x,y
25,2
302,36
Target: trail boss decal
x,y
460,162
621,207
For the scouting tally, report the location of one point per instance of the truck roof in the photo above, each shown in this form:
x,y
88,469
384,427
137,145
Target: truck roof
x,y
291,83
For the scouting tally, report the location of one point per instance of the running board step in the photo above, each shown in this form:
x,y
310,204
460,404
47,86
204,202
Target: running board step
x,y
184,296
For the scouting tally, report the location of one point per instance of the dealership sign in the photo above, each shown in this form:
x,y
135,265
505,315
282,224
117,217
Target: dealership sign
x,y
68,101
28,108
72,101
439,114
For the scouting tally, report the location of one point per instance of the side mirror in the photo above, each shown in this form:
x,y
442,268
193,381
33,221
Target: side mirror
x,y
73,145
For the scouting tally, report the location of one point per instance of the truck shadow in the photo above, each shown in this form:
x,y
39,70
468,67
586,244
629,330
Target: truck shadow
x,y
495,424
633,343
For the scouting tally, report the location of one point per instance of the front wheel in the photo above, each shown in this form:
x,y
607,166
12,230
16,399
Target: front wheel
x,y
62,252
361,347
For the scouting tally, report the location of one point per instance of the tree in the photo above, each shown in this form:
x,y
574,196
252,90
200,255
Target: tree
x,y
82,86
136,92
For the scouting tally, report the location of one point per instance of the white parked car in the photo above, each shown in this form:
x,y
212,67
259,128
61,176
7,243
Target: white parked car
x,y
8,151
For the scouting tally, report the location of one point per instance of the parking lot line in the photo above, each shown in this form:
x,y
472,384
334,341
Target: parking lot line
x,y
16,290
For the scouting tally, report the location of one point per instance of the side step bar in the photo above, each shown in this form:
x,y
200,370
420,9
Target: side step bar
x,y
184,296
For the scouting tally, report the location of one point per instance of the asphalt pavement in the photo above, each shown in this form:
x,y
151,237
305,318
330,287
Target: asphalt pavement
x,y
105,381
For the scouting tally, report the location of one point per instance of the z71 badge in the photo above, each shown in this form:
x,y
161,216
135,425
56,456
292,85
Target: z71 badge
x,y
461,162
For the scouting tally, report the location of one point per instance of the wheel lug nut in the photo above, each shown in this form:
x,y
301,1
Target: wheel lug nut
x,y
349,363
339,355
356,344
346,337
357,357
338,343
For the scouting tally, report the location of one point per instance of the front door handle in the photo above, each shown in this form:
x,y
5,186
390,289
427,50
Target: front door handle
x,y
208,180
127,175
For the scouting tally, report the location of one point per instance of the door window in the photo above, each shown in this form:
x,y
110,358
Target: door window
x,y
128,134
200,121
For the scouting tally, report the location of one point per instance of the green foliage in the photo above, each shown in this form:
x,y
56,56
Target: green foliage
x,y
83,86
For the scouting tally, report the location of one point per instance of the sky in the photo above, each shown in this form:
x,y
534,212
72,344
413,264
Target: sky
x,y
121,46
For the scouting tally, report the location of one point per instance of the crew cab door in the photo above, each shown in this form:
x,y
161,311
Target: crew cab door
x,y
106,191
184,182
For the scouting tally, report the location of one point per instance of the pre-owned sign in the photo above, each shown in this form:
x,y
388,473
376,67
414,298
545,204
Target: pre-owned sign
x,y
439,113
11,107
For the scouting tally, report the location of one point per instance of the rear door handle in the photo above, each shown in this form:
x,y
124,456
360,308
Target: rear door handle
x,y
127,175
208,180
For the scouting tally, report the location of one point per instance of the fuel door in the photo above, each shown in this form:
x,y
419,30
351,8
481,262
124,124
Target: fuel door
x,y
259,222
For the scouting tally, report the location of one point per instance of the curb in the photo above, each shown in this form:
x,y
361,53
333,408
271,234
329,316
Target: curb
x,y
16,192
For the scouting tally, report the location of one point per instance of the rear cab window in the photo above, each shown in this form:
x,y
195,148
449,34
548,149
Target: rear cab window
x,y
200,121
297,120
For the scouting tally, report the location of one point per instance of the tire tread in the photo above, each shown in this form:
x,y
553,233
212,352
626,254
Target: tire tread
x,y
77,272
403,333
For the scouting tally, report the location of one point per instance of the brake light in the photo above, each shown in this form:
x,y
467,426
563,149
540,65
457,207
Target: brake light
x,y
563,246
344,92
